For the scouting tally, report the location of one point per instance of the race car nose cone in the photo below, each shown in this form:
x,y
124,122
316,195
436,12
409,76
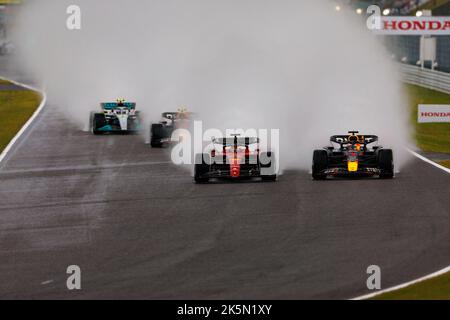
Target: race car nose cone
x,y
123,120
353,166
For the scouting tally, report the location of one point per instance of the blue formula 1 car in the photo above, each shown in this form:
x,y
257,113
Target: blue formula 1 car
x,y
355,156
116,117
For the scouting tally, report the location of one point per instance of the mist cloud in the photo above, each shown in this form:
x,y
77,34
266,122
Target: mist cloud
x,y
299,66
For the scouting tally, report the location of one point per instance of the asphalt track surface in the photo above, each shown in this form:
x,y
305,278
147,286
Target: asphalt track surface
x,y
139,227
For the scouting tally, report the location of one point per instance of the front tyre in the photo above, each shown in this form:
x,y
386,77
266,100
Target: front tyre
x,y
134,126
271,178
386,163
98,122
320,164
201,169
268,166
156,144
156,135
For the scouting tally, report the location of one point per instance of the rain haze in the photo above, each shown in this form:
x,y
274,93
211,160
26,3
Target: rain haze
x,y
297,66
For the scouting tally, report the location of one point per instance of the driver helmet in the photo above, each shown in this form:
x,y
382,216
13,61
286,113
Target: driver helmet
x,y
120,102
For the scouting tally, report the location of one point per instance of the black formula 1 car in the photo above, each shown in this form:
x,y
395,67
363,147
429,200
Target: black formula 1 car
x,y
235,158
354,157
161,133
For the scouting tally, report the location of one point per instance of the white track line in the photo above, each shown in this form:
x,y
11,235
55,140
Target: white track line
x,y
401,286
430,276
368,296
29,122
429,161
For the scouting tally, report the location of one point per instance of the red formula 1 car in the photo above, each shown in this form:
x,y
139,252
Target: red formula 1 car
x,y
235,158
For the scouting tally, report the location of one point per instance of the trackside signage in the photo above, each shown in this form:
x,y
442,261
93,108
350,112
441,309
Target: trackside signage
x,y
434,113
412,26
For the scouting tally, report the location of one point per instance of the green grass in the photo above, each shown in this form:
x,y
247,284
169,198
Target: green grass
x,y
4,82
434,289
430,137
445,163
16,107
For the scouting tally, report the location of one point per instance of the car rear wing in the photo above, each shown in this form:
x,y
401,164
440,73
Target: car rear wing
x,y
362,139
113,105
239,142
178,115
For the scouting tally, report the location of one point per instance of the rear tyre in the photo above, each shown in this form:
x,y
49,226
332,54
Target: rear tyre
x,y
271,178
386,163
98,122
201,168
156,134
156,144
134,126
320,163
268,166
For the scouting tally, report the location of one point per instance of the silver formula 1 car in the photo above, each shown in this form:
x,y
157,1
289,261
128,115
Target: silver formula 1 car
x,y
116,117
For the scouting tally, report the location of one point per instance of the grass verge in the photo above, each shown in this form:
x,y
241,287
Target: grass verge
x,y
4,82
430,137
434,289
445,163
16,107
